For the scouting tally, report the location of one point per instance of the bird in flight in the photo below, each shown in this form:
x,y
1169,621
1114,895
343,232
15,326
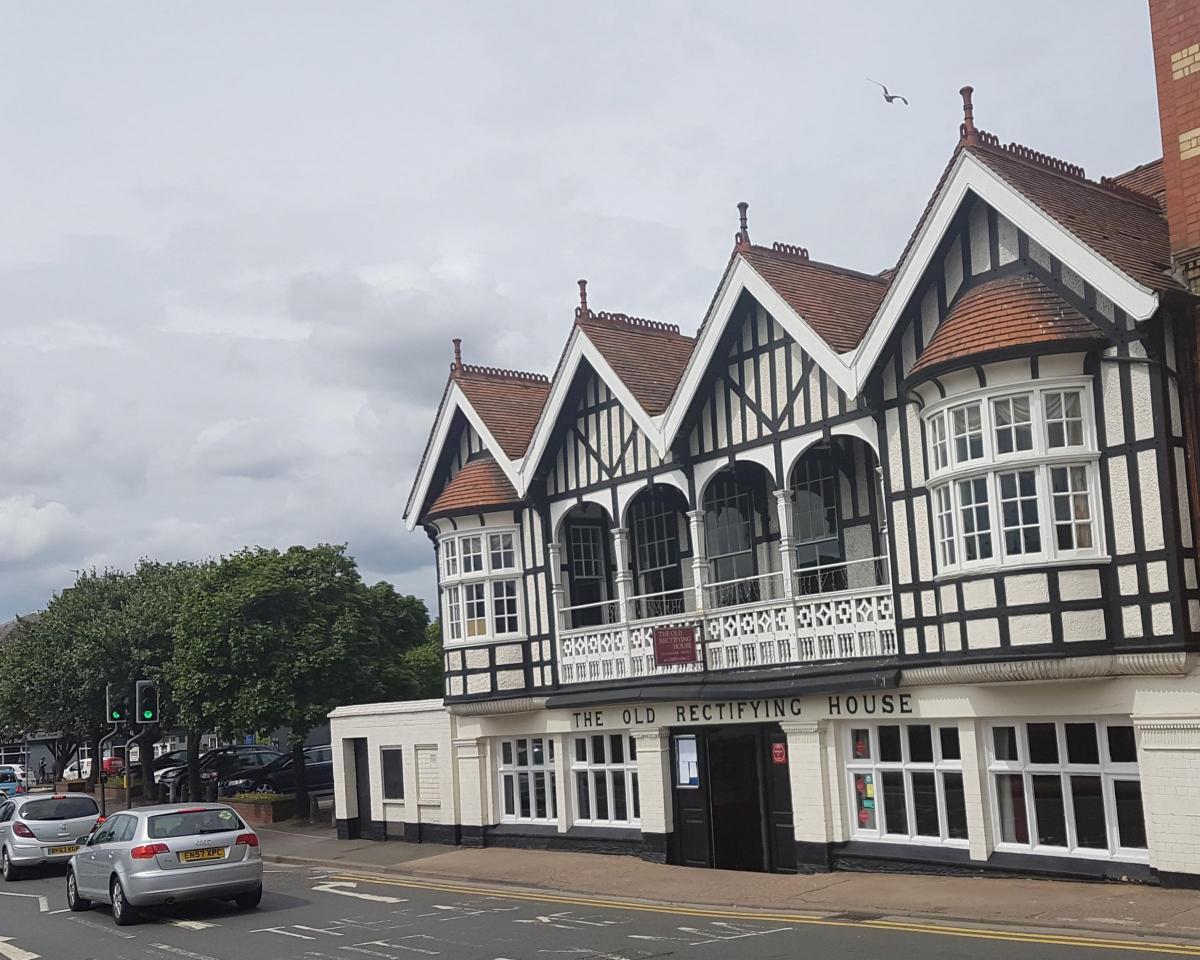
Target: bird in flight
x,y
889,97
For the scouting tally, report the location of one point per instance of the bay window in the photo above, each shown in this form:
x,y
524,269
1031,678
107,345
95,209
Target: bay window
x,y
480,583
1012,477
1067,787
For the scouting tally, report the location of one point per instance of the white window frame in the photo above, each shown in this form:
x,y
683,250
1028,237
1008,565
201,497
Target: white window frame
x,y
625,771
514,770
876,767
456,580
1041,459
383,750
1107,770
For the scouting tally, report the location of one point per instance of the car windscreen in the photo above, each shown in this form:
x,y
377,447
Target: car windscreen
x,y
7,776
59,808
190,823
279,763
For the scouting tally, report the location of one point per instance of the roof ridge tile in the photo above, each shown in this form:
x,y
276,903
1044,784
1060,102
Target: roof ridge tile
x,y
627,319
468,369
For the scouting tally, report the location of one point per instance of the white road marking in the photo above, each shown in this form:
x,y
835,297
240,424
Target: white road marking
x,y
100,926
180,952
43,904
398,946
13,952
192,924
340,889
283,933
332,933
63,910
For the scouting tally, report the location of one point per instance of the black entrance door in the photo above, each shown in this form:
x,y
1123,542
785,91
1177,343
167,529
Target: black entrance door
x,y
361,826
733,799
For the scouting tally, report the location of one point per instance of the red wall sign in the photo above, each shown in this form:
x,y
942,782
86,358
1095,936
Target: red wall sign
x,y
779,753
674,645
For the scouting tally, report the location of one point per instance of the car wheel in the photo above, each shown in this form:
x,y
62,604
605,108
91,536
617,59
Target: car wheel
x,y
265,788
74,900
8,869
123,912
248,901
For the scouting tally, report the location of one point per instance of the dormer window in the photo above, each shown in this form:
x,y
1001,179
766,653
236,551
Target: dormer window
x,y
480,586
1012,477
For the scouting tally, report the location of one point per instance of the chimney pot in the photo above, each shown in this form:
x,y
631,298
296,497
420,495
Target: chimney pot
x,y
583,307
457,341
743,234
967,133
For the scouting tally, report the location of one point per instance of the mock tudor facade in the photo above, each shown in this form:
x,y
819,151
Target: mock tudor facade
x,y
879,571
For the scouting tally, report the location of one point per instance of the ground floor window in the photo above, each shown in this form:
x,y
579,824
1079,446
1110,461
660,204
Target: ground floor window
x,y
528,793
1067,786
605,776
906,783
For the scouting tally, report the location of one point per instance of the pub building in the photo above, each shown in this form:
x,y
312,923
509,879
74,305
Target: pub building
x,y
878,571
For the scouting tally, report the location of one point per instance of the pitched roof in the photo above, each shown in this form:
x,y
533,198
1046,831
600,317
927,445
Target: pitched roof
x,y
649,357
1146,179
1017,309
837,303
1126,229
481,483
508,401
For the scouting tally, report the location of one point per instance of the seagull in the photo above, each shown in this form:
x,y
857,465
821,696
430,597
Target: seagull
x,y
889,97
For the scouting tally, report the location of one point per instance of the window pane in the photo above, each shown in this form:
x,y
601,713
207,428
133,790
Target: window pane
x,y
920,744
1122,745
598,748
1048,807
539,795
976,519
522,753
632,748
620,812
861,744
506,753
601,795
1004,740
393,774
581,749
949,738
1043,742
637,800
864,799
616,748
895,811
956,806
1131,822
538,756
510,808
1082,746
524,793
925,808
889,744
1087,799
581,796
1010,797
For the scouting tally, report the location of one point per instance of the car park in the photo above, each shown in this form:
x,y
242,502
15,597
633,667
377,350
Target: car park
x,y
215,765
279,775
36,829
163,855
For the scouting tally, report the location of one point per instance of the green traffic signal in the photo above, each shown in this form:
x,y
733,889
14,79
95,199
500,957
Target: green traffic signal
x,y
147,714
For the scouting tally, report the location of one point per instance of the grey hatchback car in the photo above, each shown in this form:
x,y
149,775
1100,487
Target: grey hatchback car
x,y
166,854
36,829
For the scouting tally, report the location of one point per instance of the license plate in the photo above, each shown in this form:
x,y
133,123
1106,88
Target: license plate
x,y
187,856
55,851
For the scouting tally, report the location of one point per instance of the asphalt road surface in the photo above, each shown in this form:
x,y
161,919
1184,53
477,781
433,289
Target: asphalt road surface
x,y
309,914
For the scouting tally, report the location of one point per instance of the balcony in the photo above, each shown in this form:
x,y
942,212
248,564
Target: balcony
x,y
831,613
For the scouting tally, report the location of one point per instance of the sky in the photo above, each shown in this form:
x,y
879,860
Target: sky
x,y
237,238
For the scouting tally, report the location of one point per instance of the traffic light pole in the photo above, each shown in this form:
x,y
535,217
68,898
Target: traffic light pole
x,y
129,772
99,762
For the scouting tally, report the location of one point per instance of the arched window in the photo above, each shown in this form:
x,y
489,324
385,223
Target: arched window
x,y
734,508
654,521
815,510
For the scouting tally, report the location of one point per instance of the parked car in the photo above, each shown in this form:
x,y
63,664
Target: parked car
x,y
166,854
10,786
19,770
214,765
173,758
78,770
279,775
36,829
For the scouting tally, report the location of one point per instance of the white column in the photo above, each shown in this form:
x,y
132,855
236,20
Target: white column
x,y
471,794
654,790
783,508
811,810
976,793
554,551
625,613
563,743
699,556
1168,753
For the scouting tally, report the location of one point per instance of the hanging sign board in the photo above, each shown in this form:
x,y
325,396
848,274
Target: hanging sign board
x,y
674,645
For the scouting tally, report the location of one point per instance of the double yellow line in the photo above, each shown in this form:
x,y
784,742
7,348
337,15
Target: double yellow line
x,y
717,913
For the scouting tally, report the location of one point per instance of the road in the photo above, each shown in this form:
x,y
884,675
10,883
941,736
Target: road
x,y
325,915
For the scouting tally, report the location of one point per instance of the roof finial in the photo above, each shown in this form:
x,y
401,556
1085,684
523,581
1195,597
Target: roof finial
x,y
967,132
457,341
583,307
743,234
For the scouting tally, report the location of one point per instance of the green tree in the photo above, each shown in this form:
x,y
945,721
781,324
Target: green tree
x,y
278,639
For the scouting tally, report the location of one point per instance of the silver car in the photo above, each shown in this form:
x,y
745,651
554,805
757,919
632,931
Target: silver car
x,y
166,854
36,829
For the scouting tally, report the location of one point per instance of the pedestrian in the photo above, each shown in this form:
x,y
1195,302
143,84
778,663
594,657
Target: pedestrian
x,y
42,771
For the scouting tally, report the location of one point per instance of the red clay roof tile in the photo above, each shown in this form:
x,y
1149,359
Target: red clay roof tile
x,y
1146,179
1013,310
481,483
508,401
649,357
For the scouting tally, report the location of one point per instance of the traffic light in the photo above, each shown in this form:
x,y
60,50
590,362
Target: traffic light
x,y
146,698
116,702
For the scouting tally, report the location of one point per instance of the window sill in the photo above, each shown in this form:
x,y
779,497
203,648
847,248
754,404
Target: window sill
x,y
473,642
1013,566
1080,853
395,803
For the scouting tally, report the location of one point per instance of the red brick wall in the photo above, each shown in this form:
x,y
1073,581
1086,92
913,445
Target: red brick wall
x,y
1175,27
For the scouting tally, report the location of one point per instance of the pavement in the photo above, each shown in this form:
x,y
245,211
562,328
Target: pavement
x,y
1105,908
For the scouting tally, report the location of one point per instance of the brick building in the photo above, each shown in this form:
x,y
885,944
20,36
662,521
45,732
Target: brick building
x,y
880,571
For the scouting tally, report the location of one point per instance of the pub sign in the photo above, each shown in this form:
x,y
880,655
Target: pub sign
x,y
674,645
